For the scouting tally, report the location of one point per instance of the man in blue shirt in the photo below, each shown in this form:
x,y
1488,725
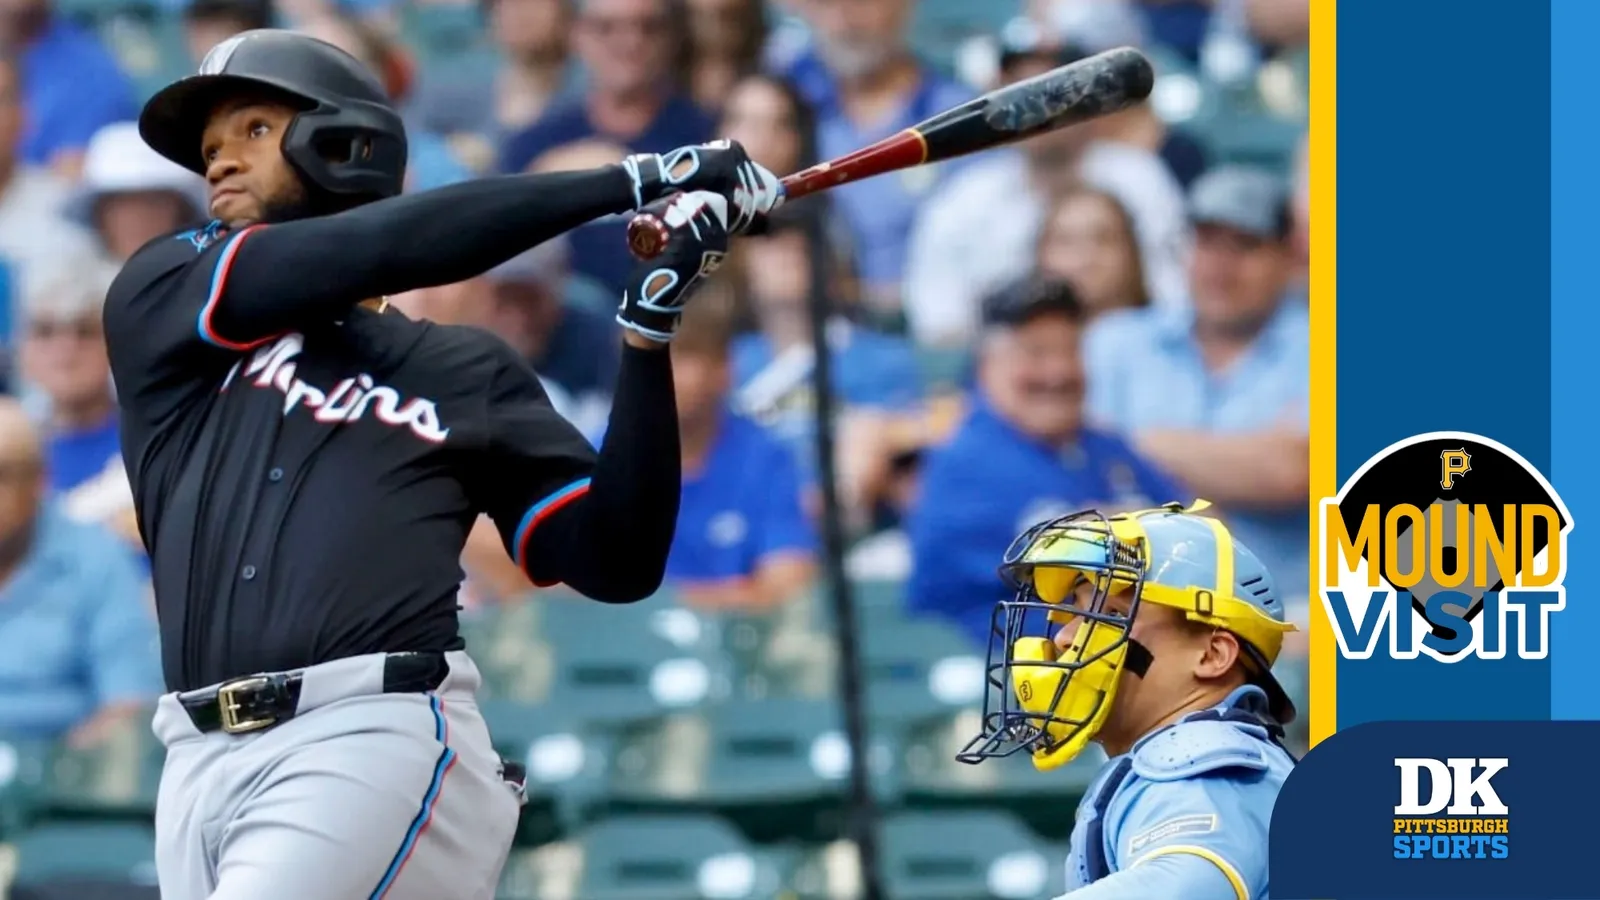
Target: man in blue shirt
x,y
1021,456
77,639
742,541
877,383
865,83
631,99
1218,392
71,85
1162,635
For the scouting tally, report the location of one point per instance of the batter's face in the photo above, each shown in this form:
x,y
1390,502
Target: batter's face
x,y
248,175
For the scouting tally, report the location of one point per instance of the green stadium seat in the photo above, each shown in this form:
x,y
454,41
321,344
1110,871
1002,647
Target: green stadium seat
x,y
540,873
779,767
943,855
565,768
930,775
942,369
673,857
23,764
507,645
613,667
918,669
116,777
787,652
96,852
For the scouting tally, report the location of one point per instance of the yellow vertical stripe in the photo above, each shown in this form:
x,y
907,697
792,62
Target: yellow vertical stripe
x,y
1323,147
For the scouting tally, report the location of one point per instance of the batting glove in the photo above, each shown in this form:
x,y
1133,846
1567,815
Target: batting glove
x,y
697,225
721,167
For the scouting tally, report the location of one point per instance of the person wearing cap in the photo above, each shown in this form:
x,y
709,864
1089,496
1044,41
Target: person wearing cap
x,y
1153,634
532,302
131,194
1022,454
78,652
982,227
63,357
1218,392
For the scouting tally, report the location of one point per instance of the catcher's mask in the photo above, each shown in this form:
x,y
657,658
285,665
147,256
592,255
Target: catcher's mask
x,y
1051,700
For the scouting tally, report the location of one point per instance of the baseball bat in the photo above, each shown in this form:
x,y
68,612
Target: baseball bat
x,y
1077,92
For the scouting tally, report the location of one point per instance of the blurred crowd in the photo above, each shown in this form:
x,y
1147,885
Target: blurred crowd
x,y
1112,315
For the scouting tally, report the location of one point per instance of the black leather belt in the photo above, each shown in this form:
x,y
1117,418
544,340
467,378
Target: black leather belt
x,y
258,702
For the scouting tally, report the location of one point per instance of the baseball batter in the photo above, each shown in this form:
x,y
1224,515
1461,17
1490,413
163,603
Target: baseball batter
x,y
1165,631
307,463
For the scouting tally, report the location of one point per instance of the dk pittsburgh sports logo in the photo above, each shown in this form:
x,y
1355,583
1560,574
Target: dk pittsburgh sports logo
x,y
1450,545
1463,818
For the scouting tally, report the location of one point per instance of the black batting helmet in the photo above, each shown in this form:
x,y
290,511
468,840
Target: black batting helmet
x,y
346,139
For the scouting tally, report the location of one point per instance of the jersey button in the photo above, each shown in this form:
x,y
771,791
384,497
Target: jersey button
x,y
249,573
275,475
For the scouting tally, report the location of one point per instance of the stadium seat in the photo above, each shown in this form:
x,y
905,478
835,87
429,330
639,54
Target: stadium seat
x,y
508,646
678,857
23,764
788,652
966,855
116,777
778,767
612,665
73,859
564,765
918,669
930,774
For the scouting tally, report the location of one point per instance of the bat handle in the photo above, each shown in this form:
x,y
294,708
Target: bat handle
x,y
648,235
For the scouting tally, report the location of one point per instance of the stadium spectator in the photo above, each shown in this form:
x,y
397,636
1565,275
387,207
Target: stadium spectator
x,y
425,152
1088,241
743,541
875,376
77,638
726,39
1218,392
774,124
1022,455
207,23
63,355
70,85
982,228
866,83
131,194
572,344
34,236
1302,201
476,107
630,50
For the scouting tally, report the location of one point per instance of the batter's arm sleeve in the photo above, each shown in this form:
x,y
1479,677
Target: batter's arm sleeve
x,y
600,523
267,279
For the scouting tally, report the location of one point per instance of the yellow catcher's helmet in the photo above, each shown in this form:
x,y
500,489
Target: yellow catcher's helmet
x,y
1051,702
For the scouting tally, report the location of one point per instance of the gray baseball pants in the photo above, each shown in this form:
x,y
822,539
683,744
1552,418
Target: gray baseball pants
x,y
362,795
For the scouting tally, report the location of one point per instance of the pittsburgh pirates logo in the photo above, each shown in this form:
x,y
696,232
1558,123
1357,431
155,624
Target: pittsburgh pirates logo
x,y
1449,566
1452,465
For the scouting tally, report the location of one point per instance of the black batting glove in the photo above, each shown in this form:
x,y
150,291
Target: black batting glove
x,y
697,227
721,167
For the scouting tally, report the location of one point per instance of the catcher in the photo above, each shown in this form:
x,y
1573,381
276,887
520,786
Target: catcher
x,y
1165,631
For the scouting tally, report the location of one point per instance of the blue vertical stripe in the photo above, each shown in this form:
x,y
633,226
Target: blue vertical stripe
x,y
426,811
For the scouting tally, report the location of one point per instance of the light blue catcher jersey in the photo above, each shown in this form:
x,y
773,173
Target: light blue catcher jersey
x,y
1202,788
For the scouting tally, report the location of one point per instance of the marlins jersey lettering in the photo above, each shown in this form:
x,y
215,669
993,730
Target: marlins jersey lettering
x,y
305,494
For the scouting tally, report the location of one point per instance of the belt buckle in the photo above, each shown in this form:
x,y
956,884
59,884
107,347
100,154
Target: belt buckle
x,y
230,707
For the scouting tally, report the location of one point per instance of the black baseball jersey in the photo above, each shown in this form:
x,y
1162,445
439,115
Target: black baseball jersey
x,y
305,491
